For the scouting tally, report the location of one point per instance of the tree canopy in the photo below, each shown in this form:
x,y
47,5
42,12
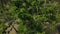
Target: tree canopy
x,y
33,16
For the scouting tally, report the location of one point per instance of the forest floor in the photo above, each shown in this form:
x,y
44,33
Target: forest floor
x,y
13,28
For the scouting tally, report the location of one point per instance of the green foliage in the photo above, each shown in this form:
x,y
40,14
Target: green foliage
x,y
32,14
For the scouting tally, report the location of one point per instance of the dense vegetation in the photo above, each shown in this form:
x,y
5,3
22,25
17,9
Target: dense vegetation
x,y
33,16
